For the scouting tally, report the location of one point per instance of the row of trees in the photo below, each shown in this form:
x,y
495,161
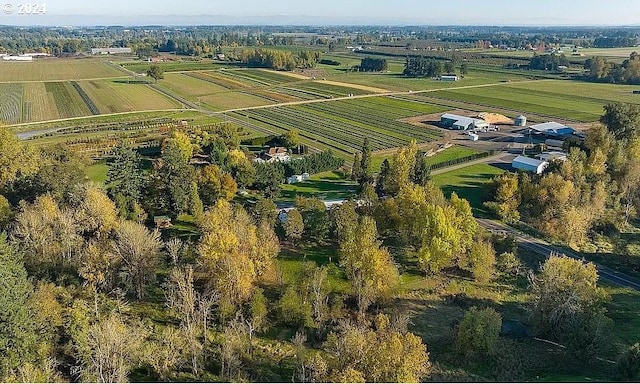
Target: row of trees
x,y
425,67
369,64
548,62
601,70
279,60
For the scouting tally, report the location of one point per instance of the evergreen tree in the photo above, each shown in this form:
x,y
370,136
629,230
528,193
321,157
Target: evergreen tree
x,y
196,208
366,172
355,171
17,330
383,176
124,176
177,176
421,170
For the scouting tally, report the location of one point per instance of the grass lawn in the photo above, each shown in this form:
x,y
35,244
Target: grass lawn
x,y
97,172
452,153
327,186
470,183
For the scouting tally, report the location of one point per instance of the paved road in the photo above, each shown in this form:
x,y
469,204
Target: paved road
x,y
542,247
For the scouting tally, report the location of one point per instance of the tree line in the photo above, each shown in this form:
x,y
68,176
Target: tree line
x,y
279,60
601,70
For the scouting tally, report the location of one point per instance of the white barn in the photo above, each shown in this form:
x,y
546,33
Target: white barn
x,y
529,164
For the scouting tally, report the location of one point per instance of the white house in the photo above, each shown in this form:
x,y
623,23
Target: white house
x,y
529,164
298,178
449,78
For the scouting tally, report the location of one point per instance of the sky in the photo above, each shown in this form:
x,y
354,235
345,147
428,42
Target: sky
x,y
362,12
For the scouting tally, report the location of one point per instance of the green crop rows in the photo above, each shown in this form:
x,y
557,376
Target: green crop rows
x,y
344,125
11,103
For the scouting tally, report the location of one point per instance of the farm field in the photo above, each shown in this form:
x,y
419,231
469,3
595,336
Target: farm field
x,y
343,125
573,107
395,81
178,66
41,101
469,182
56,70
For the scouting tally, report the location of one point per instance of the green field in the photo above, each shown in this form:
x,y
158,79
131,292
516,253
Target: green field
x,y
469,182
326,186
54,69
343,125
451,153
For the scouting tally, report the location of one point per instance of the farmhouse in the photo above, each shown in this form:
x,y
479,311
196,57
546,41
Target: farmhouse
x,y
552,129
277,154
110,51
461,123
528,164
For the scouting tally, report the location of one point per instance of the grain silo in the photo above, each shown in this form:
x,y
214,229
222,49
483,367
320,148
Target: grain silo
x,y
521,121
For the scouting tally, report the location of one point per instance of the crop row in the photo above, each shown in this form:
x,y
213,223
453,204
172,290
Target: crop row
x,y
300,94
266,77
87,100
240,76
330,89
11,103
225,83
375,120
348,132
65,102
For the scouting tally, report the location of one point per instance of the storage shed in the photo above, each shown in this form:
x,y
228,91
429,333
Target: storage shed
x,y
528,164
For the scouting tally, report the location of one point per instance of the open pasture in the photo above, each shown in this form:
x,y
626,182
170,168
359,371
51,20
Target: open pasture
x,y
53,69
115,97
521,99
343,125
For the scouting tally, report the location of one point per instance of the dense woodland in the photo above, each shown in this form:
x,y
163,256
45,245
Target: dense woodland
x,y
91,291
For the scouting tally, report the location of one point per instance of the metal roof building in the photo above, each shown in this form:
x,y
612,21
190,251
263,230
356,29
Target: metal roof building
x,y
528,164
462,123
552,129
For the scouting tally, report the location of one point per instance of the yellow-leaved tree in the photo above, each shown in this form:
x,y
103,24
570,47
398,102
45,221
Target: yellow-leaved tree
x,y
234,252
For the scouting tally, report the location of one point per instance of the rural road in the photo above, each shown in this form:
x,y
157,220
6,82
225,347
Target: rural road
x,y
542,247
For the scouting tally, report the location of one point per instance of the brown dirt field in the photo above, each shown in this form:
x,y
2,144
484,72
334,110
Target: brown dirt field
x,y
356,86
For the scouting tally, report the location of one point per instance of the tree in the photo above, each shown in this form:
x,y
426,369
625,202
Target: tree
x,y
507,197
124,177
6,213
381,354
111,351
355,170
344,219
622,119
293,225
291,139
366,171
176,174
269,178
215,184
421,170
478,333
17,329
16,158
628,368
95,212
481,261
314,217
567,304
450,67
139,252
234,252
196,208
369,267
464,69
156,73
265,211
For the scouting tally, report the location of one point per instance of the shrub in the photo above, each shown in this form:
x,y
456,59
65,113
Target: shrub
x,y
478,333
